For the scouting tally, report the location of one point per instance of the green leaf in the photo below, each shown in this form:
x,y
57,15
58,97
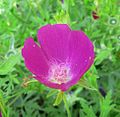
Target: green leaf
x,y
8,64
87,110
58,99
89,80
3,107
16,80
102,55
52,92
105,105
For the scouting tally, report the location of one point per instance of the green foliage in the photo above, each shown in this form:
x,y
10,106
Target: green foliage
x,y
103,54
106,105
8,64
23,96
86,109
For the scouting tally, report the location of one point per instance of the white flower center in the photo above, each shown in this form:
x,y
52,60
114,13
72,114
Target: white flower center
x,y
59,73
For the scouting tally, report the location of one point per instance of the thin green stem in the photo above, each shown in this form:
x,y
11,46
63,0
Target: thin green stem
x,y
66,105
3,110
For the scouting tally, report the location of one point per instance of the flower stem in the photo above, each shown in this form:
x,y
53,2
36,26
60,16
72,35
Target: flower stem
x,y
66,105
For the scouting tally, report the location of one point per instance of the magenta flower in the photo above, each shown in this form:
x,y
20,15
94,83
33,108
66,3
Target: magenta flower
x,y
62,57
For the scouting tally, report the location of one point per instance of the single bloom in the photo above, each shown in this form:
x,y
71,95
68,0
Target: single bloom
x,y
60,58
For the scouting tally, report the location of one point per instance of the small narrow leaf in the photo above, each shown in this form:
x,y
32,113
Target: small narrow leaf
x,y
58,99
52,92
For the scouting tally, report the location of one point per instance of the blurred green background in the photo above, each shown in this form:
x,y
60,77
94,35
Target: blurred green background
x,y
98,92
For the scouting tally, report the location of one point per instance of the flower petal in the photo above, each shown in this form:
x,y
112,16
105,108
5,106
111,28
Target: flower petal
x,y
54,41
34,58
81,55
46,82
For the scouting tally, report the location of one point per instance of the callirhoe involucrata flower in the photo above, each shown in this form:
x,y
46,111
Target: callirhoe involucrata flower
x,y
61,57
